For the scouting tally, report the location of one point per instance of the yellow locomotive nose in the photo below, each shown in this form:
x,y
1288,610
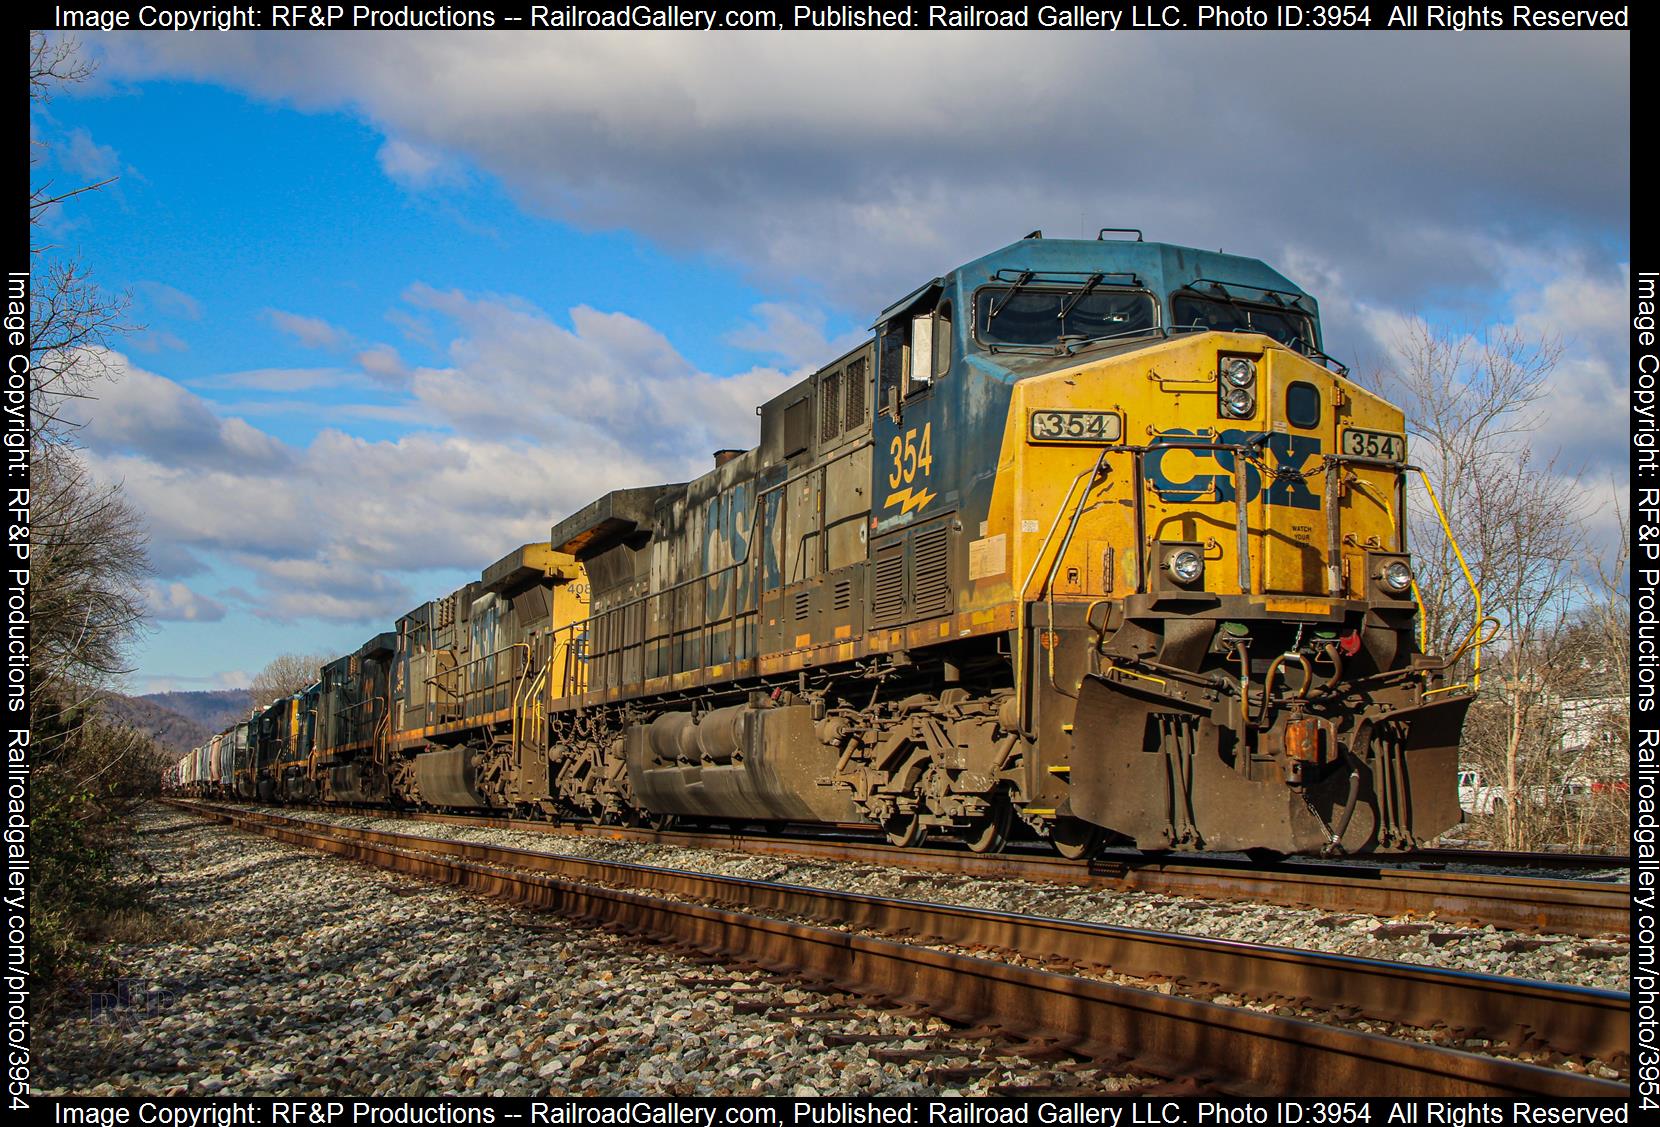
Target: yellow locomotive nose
x,y
1251,564
1244,468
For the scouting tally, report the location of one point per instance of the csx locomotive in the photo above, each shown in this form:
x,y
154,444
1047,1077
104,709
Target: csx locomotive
x,y
1090,536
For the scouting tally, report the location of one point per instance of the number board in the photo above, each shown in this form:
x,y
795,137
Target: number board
x,y
1374,444
1074,426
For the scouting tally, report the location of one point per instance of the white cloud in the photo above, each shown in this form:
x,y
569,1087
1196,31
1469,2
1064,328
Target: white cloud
x,y
169,300
157,340
279,379
175,602
417,167
860,163
792,335
313,332
609,383
1586,412
532,418
78,153
1583,417
142,414
383,360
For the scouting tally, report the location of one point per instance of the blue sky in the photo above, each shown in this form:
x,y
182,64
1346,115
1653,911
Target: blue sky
x,y
408,298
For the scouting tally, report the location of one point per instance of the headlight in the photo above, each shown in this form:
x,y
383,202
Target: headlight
x,y
1239,402
1186,565
1239,371
1396,576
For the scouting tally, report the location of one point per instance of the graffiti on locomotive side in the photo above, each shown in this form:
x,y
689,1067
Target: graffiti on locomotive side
x,y
728,542
1288,457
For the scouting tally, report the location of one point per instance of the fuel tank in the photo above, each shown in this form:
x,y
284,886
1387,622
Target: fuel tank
x,y
743,761
445,778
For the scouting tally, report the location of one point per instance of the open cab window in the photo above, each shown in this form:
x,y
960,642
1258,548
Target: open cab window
x,y
913,351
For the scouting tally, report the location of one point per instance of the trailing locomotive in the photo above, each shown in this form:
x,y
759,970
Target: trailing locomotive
x,y
1090,537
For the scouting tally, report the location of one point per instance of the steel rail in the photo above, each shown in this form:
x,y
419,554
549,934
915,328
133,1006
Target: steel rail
x,y
1505,901
1571,1020
1452,855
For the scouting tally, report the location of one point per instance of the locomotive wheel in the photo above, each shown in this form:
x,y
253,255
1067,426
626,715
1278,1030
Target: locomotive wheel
x,y
989,833
905,830
1076,839
1265,856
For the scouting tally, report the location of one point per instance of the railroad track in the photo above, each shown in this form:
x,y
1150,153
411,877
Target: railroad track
x,y
1537,859
1506,901
1227,1048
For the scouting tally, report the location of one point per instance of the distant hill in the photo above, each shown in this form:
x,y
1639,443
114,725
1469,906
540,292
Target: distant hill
x,y
177,734
214,711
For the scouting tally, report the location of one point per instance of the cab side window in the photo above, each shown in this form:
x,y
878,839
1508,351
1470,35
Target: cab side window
x,y
942,339
921,368
912,351
890,363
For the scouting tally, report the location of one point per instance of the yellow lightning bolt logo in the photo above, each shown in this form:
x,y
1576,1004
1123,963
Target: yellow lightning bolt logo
x,y
909,499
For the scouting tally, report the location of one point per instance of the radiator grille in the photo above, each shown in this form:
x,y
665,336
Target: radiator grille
x,y
857,378
830,404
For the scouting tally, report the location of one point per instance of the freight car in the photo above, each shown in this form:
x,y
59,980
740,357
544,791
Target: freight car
x,y
1090,537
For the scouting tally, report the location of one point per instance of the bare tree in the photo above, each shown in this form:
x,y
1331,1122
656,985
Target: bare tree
x,y
86,603
87,558
285,675
86,600
1472,406
70,317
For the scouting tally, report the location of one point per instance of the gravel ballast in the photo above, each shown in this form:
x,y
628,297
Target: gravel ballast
x,y
290,973
1603,962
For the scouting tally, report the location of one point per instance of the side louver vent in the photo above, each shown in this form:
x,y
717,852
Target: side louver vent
x,y
798,422
932,571
803,605
887,603
843,595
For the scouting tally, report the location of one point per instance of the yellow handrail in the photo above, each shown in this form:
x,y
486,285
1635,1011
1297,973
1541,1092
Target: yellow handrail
x,y
1471,640
1394,522
1475,660
526,692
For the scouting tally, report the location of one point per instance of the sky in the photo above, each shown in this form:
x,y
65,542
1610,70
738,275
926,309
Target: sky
x,y
404,299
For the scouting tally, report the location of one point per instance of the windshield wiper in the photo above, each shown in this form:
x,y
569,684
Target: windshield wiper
x,y
1218,289
1094,280
1026,276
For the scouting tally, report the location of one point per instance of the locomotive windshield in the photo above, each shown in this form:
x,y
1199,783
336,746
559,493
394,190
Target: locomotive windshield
x,y
1196,314
1017,316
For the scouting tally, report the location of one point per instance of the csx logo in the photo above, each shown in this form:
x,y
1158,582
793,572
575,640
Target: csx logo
x,y
1185,481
